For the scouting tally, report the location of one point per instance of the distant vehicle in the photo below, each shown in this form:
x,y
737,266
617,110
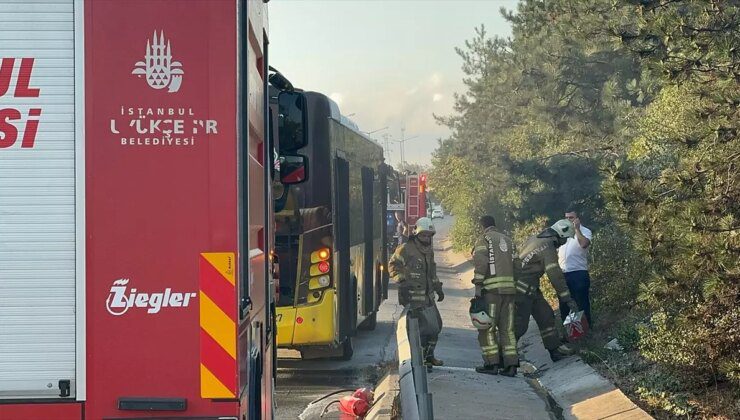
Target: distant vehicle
x,y
438,214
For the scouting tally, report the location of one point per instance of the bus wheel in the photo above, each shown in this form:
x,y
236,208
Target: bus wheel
x,y
347,349
370,322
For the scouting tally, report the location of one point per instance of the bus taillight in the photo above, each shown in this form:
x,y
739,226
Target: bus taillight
x,y
319,255
319,271
323,267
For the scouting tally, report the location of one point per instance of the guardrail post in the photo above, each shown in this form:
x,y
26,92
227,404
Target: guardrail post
x,y
423,397
416,401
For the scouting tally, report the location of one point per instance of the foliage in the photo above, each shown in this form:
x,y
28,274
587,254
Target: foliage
x,y
462,192
616,271
627,109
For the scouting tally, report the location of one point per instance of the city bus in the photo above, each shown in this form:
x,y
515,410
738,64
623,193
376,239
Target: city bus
x,y
330,237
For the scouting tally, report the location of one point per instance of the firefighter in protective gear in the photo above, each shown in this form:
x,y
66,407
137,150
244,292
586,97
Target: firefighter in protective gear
x,y
493,256
413,268
539,256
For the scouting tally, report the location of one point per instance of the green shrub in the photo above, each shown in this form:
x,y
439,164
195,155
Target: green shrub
x,y
616,271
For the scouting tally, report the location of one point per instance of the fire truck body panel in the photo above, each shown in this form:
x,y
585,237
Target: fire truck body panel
x,y
148,180
153,210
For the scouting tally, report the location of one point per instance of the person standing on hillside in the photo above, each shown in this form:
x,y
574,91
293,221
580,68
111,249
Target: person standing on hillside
x,y
573,260
493,257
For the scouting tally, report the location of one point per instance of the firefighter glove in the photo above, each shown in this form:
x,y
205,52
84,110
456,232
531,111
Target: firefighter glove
x,y
440,295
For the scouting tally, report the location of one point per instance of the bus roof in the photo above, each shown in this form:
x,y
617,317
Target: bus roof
x,y
345,121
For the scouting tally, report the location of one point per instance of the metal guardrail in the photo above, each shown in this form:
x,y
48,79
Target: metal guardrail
x,y
416,401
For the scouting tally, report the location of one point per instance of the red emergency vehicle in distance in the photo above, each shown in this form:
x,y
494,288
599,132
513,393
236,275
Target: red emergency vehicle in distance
x,y
416,197
134,278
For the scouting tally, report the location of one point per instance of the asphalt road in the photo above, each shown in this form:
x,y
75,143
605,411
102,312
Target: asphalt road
x,y
300,382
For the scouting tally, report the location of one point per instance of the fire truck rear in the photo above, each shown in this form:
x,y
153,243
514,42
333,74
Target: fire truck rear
x,y
135,210
414,190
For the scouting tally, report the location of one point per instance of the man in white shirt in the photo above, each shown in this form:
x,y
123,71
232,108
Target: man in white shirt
x,y
573,260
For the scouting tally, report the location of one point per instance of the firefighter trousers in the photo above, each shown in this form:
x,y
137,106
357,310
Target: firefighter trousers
x,y
498,343
535,304
430,325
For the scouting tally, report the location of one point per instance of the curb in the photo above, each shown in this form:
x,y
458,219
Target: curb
x,y
386,393
574,390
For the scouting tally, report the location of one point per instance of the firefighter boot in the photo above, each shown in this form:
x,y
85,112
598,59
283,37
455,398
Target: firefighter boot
x,y
487,369
433,361
430,361
561,352
510,371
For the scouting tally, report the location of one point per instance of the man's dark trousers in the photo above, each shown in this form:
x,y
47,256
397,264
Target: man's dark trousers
x,y
579,284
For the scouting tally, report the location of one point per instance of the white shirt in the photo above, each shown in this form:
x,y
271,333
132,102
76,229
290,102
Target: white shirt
x,y
571,256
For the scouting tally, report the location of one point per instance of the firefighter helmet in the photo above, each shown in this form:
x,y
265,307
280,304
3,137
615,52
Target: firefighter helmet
x,y
424,224
478,315
564,228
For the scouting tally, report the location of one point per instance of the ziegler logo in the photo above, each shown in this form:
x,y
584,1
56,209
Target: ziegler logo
x,y
160,71
120,301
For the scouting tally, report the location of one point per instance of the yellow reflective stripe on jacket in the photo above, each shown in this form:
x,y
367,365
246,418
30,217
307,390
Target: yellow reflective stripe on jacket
x,y
524,288
497,280
481,248
552,265
478,276
503,282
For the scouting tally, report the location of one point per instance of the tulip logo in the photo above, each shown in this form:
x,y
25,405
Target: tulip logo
x,y
160,71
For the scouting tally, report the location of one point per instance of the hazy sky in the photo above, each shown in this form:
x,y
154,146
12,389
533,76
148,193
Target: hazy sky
x,y
389,62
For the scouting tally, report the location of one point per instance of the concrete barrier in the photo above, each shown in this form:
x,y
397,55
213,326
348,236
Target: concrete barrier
x,y
416,401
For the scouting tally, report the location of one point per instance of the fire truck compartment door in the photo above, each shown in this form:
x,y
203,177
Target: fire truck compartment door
x,y
39,202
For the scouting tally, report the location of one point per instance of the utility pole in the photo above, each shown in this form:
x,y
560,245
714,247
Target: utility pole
x,y
403,157
402,141
387,146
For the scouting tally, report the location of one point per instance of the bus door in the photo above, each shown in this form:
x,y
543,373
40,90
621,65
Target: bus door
x,y
368,218
345,288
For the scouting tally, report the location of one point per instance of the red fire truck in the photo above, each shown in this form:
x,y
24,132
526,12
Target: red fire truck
x,y
407,193
136,210
414,196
